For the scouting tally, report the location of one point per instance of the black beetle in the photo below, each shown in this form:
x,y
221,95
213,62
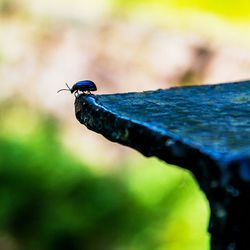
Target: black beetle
x,y
83,86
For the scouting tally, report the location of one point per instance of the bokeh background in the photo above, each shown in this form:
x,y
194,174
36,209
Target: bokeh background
x,y
64,187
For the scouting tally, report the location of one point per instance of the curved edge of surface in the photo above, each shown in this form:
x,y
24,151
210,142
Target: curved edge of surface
x,y
148,140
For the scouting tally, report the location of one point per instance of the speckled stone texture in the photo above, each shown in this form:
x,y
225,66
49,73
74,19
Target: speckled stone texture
x,y
205,129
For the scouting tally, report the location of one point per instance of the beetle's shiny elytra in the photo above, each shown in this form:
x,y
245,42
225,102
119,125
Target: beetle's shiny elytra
x,y
84,86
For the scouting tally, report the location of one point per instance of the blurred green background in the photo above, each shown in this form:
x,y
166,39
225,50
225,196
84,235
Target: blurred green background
x,y
64,187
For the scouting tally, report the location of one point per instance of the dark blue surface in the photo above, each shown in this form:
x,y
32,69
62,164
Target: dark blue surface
x,y
212,118
205,129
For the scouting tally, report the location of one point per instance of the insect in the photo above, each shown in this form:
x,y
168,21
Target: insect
x,y
84,86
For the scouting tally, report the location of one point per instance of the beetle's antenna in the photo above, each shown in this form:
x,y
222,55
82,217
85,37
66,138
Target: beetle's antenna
x,y
61,90
69,89
68,86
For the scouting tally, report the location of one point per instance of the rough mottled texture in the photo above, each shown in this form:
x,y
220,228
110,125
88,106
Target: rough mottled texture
x,y
205,129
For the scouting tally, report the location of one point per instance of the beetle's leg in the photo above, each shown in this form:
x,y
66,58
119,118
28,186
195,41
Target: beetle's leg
x,y
76,94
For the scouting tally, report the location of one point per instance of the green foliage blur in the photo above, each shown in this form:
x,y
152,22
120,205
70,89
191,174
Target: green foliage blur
x,y
50,200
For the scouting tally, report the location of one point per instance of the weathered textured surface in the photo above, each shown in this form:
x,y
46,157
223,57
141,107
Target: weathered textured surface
x,y
205,129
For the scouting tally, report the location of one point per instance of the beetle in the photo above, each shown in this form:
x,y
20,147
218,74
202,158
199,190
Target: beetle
x,y
83,86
